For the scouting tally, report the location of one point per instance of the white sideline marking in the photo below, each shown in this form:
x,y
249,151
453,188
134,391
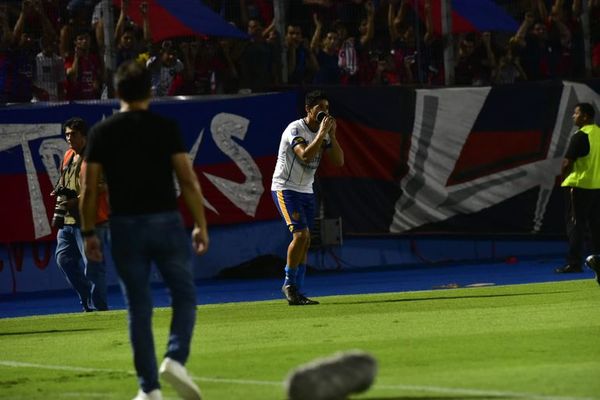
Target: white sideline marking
x,y
430,389
81,395
18,364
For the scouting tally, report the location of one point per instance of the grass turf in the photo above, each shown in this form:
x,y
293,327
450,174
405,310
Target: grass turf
x,y
537,341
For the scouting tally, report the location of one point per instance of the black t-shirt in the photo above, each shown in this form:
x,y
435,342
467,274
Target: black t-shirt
x,y
579,146
135,150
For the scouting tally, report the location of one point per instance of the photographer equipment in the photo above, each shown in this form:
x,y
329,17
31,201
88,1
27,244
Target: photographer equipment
x,y
62,194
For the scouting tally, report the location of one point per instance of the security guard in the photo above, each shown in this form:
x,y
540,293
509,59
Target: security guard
x,y
581,172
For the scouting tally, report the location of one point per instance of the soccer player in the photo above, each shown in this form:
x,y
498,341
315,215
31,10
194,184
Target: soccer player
x,y
302,144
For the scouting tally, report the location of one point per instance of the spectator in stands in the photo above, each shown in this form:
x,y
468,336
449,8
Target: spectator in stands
x,y
273,39
385,74
476,60
402,41
299,60
364,44
325,53
564,28
261,10
84,70
166,69
87,278
207,67
97,24
199,74
22,54
126,34
255,60
484,57
78,20
431,59
347,55
231,79
49,79
466,65
581,181
539,54
508,67
573,21
417,60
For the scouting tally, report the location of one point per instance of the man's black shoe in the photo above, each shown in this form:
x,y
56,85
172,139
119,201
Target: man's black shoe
x,y
306,301
294,297
568,269
593,262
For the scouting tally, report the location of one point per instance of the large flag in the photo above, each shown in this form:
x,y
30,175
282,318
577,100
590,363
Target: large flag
x,y
172,18
471,16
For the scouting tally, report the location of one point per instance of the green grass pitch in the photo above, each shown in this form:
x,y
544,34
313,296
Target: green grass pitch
x,y
536,341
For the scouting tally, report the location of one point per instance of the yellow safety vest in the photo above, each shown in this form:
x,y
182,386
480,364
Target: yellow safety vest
x,y
586,170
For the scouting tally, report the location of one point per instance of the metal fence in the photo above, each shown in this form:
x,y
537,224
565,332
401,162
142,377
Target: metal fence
x,y
381,42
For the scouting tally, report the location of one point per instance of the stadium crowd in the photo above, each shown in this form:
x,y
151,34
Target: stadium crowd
x,y
52,50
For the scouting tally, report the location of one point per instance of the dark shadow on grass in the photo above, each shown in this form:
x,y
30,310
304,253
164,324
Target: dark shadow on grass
x,y
481,296
51,331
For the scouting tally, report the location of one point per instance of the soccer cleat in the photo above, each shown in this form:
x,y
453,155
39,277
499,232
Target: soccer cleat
x,y
332,378
177,376
593,263
306,301
295,298
153,395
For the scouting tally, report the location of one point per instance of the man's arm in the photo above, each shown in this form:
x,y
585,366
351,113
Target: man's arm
x,y
192,195
120,26
315,43
26,7
308,152
147,32
72,71
368,36
87,210
579,146
429,32
524,28
566,168
335,154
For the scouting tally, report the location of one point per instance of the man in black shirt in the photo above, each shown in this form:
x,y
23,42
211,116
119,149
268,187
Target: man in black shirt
x,y
138,151
581,181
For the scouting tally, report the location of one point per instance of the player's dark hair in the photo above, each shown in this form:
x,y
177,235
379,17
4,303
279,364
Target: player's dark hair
x,y
133,81
587,109
76,124
313,98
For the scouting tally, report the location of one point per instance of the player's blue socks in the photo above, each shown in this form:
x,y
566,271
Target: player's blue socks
x,y
300,277
290,276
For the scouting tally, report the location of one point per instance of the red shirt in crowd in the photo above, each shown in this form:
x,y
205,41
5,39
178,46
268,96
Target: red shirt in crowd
x,y
85,84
